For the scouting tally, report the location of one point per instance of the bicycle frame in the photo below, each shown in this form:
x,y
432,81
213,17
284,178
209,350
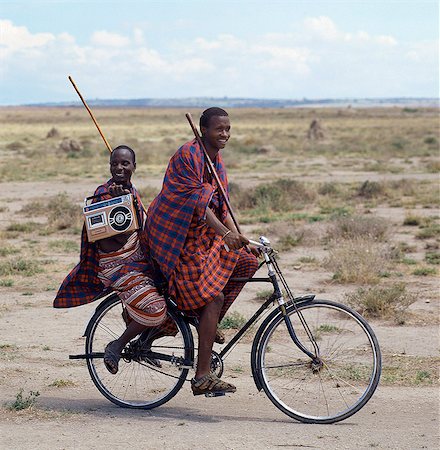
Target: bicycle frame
x,y
276,296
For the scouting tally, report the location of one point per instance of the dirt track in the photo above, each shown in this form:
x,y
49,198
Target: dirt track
x,y
78,417
36,341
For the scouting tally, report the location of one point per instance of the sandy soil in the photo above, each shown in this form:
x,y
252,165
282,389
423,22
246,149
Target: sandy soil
x,y
36,341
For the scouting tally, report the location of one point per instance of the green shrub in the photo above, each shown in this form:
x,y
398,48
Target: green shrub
x,y
281,195
24,402
430,140
26,227
381,302
428,232
289,241
371,189
233,320
20,266
412,220
432,257
425,271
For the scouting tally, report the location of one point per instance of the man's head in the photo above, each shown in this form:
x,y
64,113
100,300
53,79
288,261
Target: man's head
x,y
122,164
215,127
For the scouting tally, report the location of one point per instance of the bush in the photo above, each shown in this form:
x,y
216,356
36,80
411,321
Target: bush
x,y
24,402
328,188
358,260
425,271
288,241
20,266
281,195
432,257
26,227
358,226
382,302
233,320
429,231
63,213
412,220
371,189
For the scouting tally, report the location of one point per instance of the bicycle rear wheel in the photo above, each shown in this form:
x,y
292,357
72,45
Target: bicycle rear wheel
x,y
150,373
334,386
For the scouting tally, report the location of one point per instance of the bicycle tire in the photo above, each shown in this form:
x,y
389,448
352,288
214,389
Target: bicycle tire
x,y
351,363
138,383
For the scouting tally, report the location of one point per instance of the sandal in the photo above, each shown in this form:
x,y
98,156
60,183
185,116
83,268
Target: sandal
x,y
219,337
111,359
211,384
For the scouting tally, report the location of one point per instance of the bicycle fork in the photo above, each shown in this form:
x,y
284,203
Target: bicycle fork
x,y
278,296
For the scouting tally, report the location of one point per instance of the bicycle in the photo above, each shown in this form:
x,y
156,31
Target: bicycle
x,y
318,361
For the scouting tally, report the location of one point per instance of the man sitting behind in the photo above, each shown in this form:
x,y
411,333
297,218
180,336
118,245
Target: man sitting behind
x,y
117,263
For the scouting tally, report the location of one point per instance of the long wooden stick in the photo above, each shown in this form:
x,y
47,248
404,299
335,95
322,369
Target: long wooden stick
x,y
91,114
212,170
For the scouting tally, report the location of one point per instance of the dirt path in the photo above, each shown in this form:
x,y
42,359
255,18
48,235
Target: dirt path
x,y
36,341
77,416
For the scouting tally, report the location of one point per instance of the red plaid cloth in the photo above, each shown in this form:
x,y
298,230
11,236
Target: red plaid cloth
x,y
189,252
185,193
82,284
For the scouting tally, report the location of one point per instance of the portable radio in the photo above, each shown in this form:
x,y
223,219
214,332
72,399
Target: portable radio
x,y
110,217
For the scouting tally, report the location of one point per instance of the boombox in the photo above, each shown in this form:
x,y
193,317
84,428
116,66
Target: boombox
x,y
110,217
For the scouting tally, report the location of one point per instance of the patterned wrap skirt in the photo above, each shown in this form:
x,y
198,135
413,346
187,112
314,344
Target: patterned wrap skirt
x,y
122,271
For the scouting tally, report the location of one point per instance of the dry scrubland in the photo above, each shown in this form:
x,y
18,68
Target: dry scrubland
x,y
354,213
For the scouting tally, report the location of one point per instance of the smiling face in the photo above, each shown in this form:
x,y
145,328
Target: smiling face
x,y
122,165
217,133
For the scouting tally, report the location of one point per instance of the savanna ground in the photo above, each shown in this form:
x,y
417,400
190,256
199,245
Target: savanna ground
x,y
354,213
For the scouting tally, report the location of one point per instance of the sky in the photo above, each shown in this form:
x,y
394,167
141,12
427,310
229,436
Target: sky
x,y
288,49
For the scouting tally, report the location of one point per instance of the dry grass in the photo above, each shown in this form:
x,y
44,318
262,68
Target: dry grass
x,y
351,227
382,301
284,184
359,260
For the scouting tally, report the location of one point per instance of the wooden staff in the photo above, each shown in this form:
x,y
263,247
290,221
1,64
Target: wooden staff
x,y
91,114
212,170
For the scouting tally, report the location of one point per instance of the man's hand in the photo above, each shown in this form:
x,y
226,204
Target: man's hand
x,y
256,251
116,190
235,240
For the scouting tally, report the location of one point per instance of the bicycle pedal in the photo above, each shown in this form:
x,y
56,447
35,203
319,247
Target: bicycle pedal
x,y
215,394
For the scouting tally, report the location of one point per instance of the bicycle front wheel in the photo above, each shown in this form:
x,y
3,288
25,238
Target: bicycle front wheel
x,y
338,382
149,374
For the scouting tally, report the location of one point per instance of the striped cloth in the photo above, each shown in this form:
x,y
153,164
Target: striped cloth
x,y
136,290
82,285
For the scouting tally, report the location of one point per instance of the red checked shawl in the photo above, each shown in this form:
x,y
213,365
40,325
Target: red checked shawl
x,y
82,284
189,253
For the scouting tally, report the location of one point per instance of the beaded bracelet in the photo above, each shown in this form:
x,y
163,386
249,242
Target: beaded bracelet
x,y
229,231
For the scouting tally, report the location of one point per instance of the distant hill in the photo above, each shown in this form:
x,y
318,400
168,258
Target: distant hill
x,y
226,102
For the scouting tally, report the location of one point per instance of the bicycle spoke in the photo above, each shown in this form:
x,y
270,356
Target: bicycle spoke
x,y
328,388
138,383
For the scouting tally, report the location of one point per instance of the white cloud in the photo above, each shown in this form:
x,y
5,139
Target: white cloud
x,y
107,39
386,40
14,38
138,36
224,42
323,26
312,59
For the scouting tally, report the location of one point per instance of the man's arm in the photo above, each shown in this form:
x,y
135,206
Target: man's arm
x,y
232,238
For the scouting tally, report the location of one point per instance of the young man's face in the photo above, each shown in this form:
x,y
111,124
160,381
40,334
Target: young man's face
x,y
122,166
218,132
